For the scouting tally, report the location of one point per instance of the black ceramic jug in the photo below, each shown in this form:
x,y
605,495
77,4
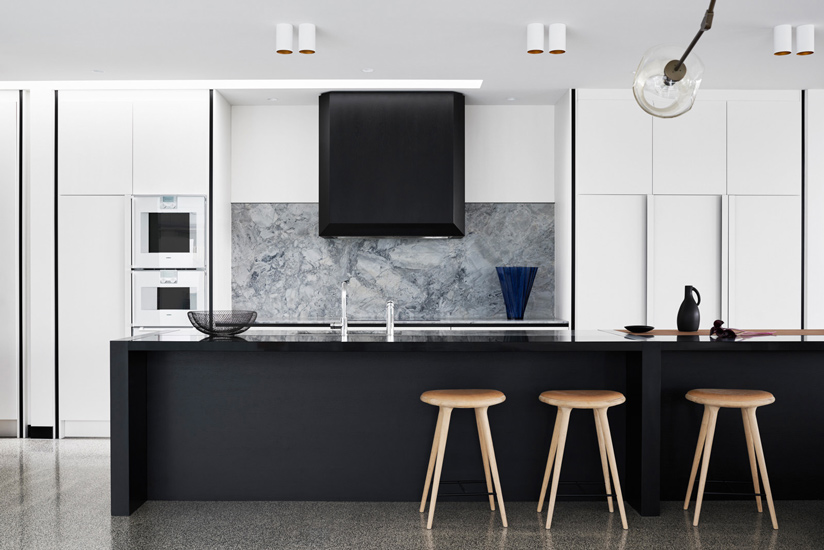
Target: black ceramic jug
x,y
688,315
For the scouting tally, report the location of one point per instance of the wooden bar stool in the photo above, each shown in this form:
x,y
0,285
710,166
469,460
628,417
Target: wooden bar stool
x,y
599,401
446,400
747,401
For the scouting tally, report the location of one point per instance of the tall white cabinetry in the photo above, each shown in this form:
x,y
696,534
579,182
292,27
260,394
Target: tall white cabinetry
x,y
722,210
112,145
9,281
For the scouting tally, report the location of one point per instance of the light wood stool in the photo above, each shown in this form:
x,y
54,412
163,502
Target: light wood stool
x,y
446,400
747,401
599,401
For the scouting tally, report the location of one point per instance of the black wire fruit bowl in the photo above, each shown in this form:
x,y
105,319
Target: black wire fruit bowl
x,y
222,323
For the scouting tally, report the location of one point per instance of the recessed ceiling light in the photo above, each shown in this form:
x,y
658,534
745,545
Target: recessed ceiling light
x,y
271,99
368,70
512,99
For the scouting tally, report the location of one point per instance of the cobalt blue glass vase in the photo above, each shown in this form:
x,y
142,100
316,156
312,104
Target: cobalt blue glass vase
x,y
516,284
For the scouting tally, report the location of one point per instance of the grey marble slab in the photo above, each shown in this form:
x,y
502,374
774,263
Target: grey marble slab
x,y
283,270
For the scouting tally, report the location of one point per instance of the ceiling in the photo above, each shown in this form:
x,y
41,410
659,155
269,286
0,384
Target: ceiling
x,y
216,40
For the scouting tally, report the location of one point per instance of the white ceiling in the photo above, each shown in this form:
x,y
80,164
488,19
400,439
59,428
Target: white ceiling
x,y
400,39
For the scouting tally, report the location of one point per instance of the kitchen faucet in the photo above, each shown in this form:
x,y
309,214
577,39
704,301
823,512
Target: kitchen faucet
x,y
344,329
390,319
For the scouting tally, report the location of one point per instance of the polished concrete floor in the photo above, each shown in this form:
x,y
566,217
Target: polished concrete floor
x,y
55,495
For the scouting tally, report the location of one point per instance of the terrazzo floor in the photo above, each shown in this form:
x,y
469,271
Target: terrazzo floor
x,y
55,495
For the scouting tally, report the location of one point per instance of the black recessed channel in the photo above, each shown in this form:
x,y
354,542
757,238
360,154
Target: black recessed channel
x,y
173,298
169,232
391,164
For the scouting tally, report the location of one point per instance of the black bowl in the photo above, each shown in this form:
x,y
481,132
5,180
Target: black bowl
x,y
222,323
637,329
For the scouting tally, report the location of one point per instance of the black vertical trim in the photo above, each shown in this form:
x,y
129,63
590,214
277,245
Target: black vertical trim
x,y
20,320
210,221
56,289
573,110
803,203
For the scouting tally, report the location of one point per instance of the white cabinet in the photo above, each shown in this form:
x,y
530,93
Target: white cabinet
x,y
686,248
764,147
94,144
611,254
689,153
92,306
9,305
614,148
171,146
765,262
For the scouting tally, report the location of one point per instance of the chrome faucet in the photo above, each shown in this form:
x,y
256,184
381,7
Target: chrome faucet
x,y
390,319
344,328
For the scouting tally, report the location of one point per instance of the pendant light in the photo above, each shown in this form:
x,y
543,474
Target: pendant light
x,y
665,86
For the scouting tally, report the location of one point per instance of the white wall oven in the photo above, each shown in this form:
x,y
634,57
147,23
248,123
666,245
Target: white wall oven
x,y
162,298
169,232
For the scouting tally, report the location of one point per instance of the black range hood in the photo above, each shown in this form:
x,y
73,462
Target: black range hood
x,y
391,164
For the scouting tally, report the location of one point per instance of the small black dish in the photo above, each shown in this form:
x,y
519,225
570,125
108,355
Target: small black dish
x,y
638,329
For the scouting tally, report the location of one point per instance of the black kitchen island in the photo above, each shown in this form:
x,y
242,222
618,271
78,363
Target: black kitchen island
x,y
306,416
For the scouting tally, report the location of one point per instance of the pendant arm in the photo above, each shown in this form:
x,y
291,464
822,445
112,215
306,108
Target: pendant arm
x,y
706,25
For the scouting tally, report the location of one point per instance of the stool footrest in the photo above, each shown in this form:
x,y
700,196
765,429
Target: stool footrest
x,y
464,492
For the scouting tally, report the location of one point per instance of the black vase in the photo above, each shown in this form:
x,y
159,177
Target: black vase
x,y
688,315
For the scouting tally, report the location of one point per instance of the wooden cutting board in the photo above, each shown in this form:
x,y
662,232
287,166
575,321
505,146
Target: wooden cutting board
x,y
779,332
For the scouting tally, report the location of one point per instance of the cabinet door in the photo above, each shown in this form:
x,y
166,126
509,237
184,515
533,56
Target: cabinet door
x,y
171,147
764,148
765,262
611,282
689,153
9,360
94,147
92,298
614,148
686,249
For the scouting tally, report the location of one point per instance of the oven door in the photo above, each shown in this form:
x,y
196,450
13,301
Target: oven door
x,y
163,298
169,231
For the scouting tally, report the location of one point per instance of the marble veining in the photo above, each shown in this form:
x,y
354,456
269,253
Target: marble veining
x,y
283,270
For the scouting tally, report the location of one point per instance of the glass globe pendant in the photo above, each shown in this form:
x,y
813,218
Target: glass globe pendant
x,y
665,83
662,87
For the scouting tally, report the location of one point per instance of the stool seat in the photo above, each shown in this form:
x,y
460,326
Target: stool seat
x,y
463,399
735,399
582,399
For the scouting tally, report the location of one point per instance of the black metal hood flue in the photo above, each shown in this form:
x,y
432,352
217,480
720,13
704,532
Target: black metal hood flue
x,y
391,164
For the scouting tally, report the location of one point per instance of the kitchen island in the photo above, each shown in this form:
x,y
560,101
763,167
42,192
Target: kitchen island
x,y
305,416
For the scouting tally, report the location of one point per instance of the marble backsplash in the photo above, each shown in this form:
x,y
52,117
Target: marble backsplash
x,y
284,271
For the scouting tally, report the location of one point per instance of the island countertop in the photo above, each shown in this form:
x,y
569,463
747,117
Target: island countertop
x,y
300,415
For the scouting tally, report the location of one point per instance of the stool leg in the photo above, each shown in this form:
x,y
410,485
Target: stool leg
x,y
559,457
444,429
759,452
485,457
482,418
702,436
751,453
616,482
553,446
432,455
604,465
713,412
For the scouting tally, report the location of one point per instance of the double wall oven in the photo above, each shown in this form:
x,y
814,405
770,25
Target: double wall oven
x,y
168,260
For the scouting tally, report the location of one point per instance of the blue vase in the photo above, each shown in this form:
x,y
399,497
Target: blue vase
x,y
516,284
